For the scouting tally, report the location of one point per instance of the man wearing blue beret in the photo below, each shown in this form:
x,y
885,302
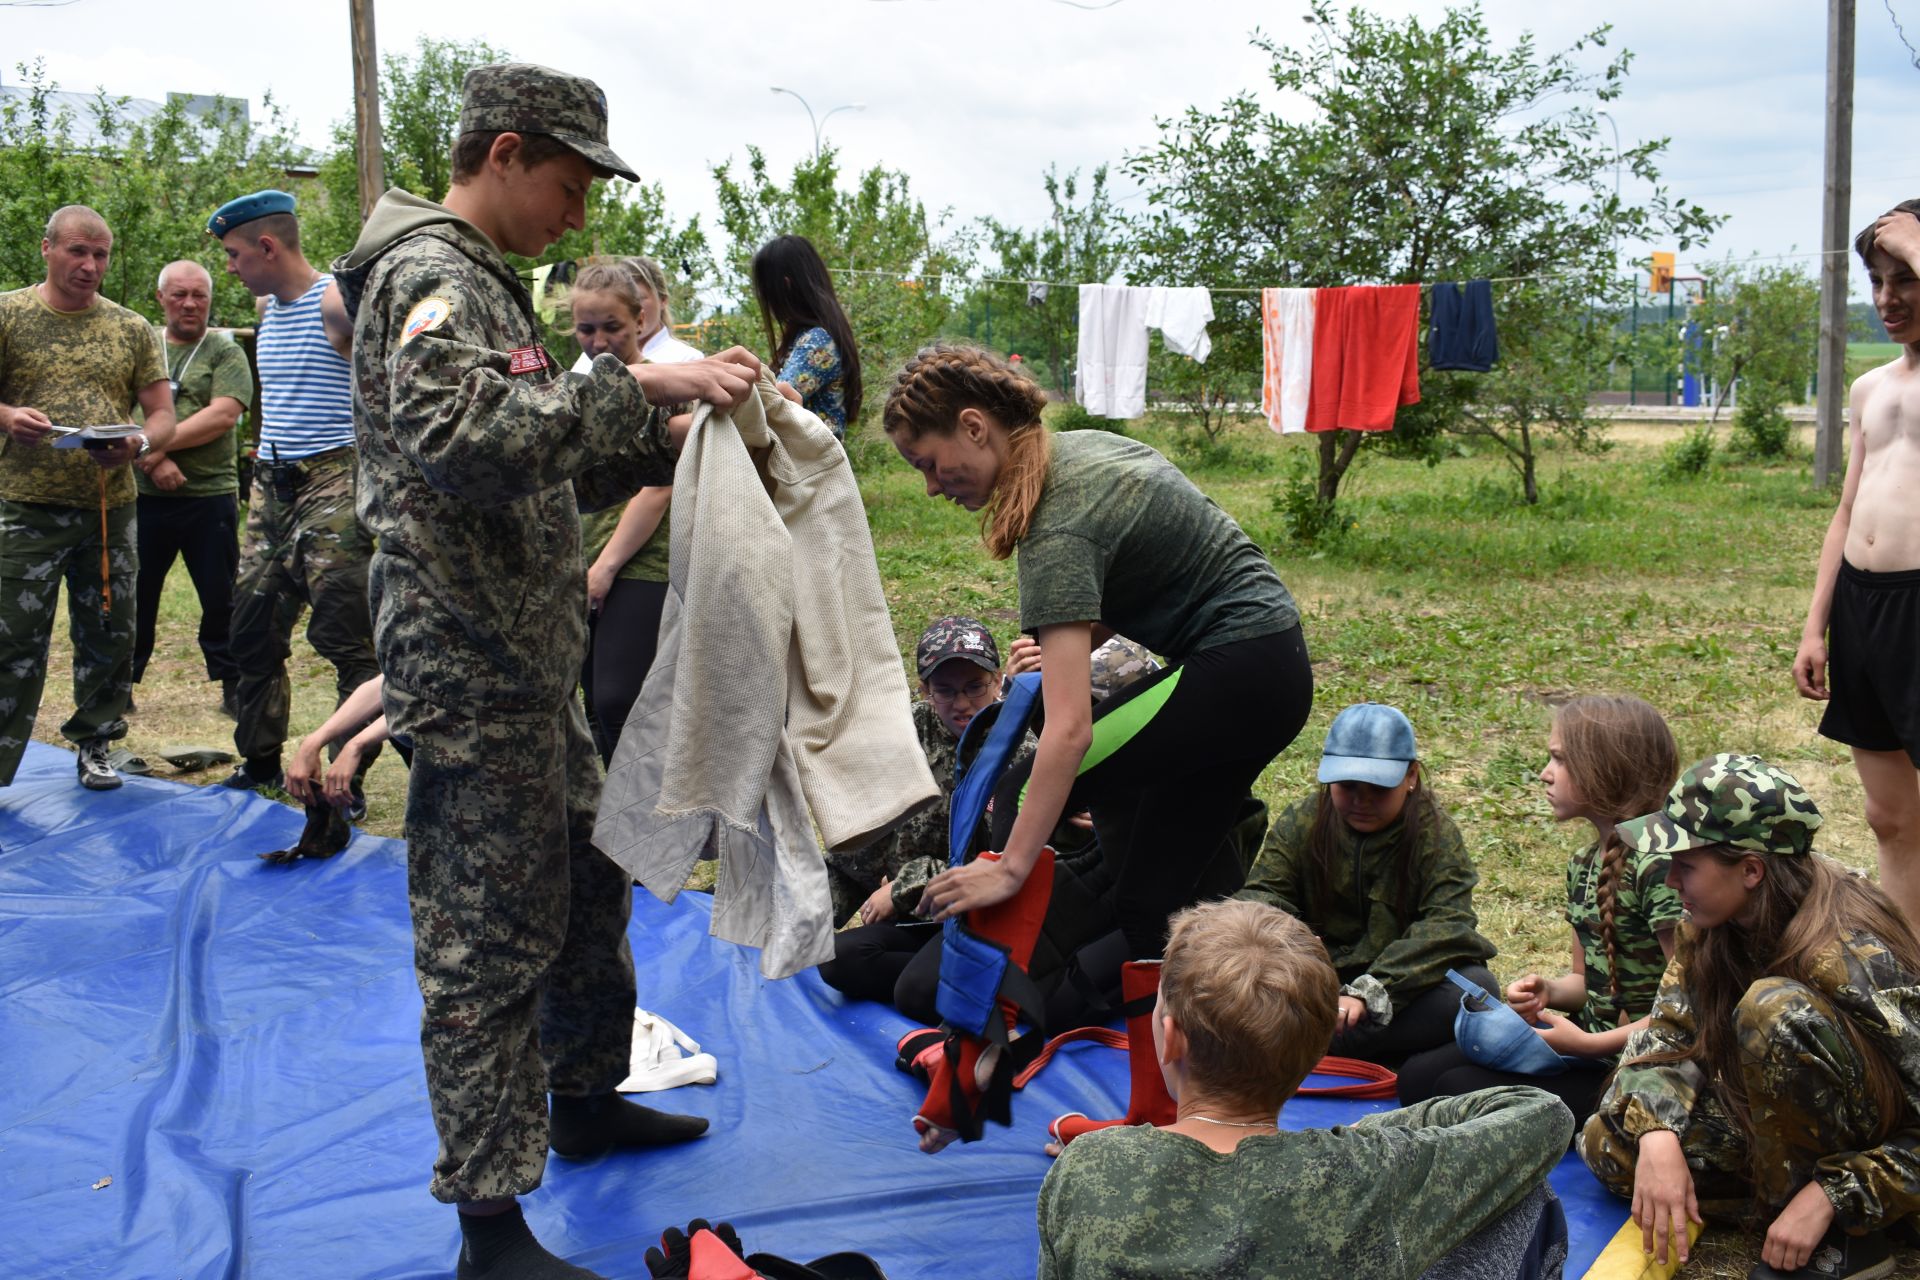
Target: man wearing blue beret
x,y
304,547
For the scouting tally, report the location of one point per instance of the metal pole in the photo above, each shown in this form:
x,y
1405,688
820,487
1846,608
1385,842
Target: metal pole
x,y
1829,434
366,106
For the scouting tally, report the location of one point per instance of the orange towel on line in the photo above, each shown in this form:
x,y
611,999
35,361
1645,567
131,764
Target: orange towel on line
x,y
1366,361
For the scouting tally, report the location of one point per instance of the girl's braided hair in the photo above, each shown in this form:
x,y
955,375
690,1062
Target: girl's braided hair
x,y
926,399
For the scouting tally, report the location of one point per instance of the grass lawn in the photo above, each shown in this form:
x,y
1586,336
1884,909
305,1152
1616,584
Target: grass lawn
x,y
1471,612
1862,356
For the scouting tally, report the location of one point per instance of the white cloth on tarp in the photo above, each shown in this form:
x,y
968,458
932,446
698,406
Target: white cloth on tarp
x,y
664,1057
777,702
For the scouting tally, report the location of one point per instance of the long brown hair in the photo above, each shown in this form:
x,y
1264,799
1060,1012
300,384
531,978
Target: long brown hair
x,y
796,294
1803,905
1323,850
926,399
1622,759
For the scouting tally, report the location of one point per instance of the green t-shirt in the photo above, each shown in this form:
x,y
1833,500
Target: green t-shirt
x,y
648,564
217,368
1643,904
81,369
1121,537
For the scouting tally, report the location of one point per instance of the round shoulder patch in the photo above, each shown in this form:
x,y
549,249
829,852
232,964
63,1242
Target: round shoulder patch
x,y
428,313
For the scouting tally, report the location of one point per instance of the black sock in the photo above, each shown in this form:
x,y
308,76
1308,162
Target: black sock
x,y
500,1246
580,1128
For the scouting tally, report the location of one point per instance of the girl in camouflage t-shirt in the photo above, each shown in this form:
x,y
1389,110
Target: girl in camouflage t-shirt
x,y
1608,759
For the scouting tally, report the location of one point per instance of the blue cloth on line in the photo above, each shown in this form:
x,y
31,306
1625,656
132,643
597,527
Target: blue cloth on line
x,y
1460,330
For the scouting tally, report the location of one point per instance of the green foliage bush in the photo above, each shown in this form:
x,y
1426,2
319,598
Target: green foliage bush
x,y
1760,428
1690,456
1070,415
1309,519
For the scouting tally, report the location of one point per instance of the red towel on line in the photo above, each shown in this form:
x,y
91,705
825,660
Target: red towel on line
x,y
1366,360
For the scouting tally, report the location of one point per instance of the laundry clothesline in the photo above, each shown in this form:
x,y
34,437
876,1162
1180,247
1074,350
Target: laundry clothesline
x,y
1063,284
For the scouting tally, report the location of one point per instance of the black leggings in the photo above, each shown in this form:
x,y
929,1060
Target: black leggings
x,y
1446,1073
1424,1022
626,634
1175,756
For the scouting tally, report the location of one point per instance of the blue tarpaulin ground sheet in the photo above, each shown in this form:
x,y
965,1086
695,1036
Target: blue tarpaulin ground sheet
x,y
235,1046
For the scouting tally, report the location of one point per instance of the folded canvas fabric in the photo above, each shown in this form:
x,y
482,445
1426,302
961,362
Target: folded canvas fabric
x,y
1366,358
777,701
1286,335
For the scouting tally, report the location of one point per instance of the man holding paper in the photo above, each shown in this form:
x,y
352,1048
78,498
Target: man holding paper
x,y
70,358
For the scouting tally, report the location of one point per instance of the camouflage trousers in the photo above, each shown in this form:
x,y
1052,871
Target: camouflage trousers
x,y
309,551
1807,1096
41,545
519,934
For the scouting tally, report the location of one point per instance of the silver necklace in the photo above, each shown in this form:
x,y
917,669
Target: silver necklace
x,y
1234,1124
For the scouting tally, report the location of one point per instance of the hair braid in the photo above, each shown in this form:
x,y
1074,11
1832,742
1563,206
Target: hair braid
x,y
926,399
1606,894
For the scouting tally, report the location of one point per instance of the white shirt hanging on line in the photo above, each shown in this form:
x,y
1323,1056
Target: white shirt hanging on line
x,y
1114,319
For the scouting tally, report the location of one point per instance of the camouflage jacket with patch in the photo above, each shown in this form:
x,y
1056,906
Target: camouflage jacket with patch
x,y
1860,977
476,455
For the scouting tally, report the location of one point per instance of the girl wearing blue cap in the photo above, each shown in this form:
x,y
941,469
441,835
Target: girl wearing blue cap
x,y
1375,867
1608,759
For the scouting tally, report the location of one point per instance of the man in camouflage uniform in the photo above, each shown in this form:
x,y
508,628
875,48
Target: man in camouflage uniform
x,y
70,358
1814,1127
473,450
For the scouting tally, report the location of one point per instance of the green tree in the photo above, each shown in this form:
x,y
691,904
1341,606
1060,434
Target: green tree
x,y
895,267
1079,241
1412,152
1761,330
154,180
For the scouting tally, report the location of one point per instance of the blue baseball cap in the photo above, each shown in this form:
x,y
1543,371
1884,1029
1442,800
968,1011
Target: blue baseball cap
x,y
235,213
1369,742
1492,1035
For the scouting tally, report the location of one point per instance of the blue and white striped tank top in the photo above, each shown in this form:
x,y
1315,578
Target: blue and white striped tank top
x,y
306,389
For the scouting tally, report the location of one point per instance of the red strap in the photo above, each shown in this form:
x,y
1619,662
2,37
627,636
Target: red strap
x,y
1370,1079
106,570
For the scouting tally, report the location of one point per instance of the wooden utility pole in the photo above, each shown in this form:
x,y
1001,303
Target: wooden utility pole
x,y
1829,447
366,105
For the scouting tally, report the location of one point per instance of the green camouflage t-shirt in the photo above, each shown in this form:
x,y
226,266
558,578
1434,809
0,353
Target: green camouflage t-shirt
x,y
648,564
1643,903
1121,537
81,369
218,368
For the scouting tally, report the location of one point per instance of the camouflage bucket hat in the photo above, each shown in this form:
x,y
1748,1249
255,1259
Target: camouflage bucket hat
x,y
523,97
1735,800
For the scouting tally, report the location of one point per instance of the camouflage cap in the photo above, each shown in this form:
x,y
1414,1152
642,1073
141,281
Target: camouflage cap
x,y
523,97
1119,664
956,637
1735,800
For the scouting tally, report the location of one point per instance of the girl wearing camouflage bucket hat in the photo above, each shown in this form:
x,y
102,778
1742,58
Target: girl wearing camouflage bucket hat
x,y
1778,1080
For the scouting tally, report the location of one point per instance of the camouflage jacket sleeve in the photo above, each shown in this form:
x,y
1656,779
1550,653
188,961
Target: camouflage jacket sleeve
x,y
479,430
1277,878
1444,932
1872,1188
1643,1096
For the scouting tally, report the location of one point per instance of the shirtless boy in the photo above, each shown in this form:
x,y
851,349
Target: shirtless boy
x,y
1865,615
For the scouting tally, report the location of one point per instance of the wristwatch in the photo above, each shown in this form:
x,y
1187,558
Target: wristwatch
x,y
146,446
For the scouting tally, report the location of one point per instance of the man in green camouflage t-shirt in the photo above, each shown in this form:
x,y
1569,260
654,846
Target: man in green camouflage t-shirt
x,y
475,456
71,359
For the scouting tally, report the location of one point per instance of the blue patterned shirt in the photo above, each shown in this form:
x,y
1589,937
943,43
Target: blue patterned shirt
x,y
813,369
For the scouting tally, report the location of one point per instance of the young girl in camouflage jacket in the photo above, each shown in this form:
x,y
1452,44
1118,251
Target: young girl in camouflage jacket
x,y
1375,867
1608,759
1778,1080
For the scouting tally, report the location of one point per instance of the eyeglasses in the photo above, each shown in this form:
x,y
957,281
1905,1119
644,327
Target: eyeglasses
x,y
973,691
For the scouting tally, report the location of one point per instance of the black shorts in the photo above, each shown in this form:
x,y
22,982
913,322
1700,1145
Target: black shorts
x,y
1873,661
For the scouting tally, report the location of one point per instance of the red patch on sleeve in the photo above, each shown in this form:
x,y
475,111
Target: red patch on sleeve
x,y
528,360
